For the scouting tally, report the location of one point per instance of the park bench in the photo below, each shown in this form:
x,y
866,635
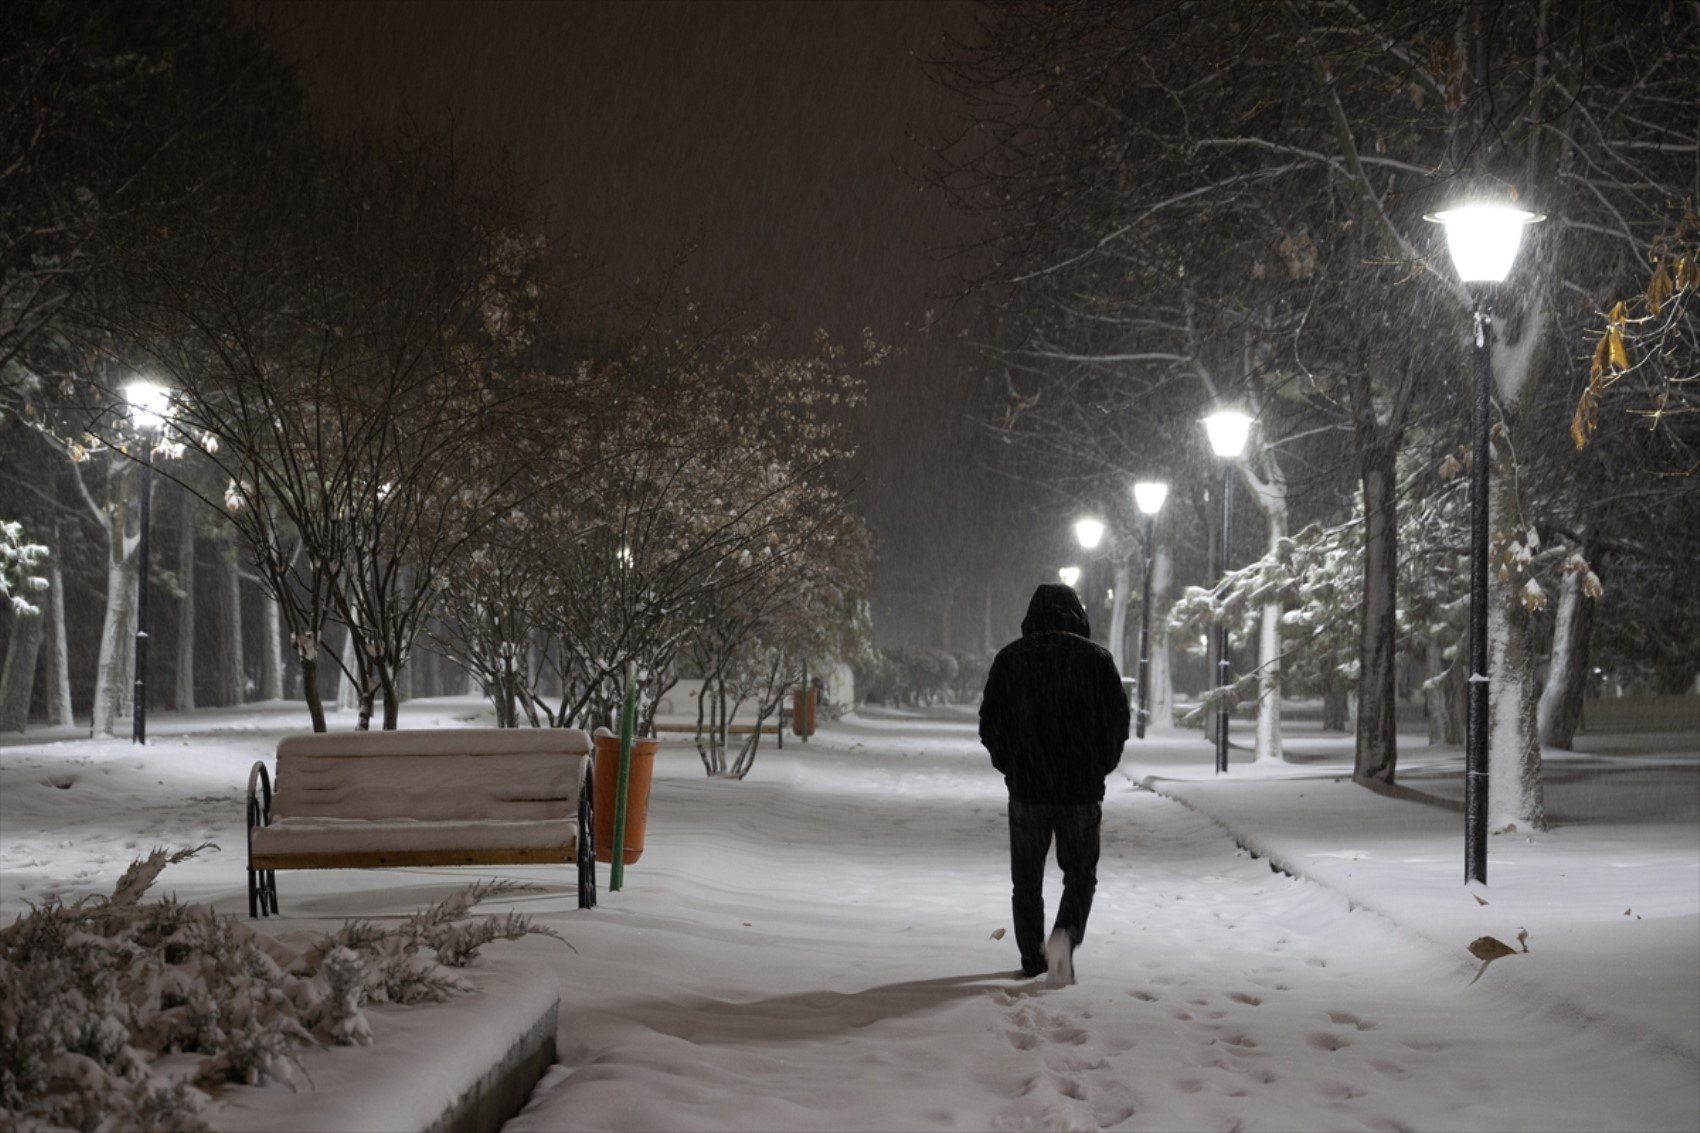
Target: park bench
x,y
732,729
424,797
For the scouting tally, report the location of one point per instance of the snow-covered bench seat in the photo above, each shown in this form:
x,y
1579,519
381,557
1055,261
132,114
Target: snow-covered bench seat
x,y
425,797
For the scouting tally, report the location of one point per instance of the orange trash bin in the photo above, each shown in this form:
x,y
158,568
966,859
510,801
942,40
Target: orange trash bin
x,y
637,795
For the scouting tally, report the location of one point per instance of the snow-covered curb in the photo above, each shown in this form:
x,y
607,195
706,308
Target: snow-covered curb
x,y
465,1064
1619,951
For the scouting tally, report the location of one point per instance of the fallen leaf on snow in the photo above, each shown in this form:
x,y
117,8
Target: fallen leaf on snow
x,y
997,934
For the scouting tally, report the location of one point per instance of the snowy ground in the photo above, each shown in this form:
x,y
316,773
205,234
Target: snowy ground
x,y
813,947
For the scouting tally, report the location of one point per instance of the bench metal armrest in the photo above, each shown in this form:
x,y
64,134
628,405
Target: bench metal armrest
x,y
262,884
260,815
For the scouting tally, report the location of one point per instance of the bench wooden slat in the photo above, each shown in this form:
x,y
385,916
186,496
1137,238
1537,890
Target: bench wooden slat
x,y
545,855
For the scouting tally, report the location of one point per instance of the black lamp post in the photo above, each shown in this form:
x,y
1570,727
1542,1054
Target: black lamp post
x,y
1149,495
1483,240
1228,430
148,402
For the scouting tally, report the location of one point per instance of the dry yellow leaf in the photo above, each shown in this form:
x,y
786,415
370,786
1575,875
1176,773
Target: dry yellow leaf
x,y
1658,289
1619,355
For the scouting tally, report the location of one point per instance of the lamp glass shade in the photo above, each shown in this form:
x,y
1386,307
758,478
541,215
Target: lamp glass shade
x,y
1088,533
1484,239
149,403
1069,575
1229,430
1149,495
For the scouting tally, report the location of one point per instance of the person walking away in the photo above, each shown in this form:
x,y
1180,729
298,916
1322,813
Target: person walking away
x,y
1054,718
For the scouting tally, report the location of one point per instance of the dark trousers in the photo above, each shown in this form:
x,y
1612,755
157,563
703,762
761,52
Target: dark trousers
x,y
1031,827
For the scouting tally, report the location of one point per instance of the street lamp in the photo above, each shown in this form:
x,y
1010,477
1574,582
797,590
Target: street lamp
x,y
1149,496
1483,240
1069,575
148,403
1228,430
1089,532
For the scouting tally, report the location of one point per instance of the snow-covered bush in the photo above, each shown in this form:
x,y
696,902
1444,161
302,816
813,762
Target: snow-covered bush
x,y
18,560
93,994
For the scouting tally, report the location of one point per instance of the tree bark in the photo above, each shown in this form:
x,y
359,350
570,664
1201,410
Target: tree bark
x,y
271,655
1444,692
184,678
307,659
17,673
1336,710
1559,712
1162,655
1269,648
1378,728
348,686
56,662
117,637
1515,796
230,680
1122,578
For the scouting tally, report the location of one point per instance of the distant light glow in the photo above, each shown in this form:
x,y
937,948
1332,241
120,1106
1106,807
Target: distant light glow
x,y
1484,239
149,404
1229,430
1149,495
1069,575
1089,533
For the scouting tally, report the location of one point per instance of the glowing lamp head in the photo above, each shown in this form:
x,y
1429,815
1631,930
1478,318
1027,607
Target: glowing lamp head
x,y
1149,495
1229,430
1484,239
1069,575
149,402
1088,533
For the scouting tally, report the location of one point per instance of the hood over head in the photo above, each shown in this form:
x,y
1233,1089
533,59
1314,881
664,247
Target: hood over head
x,y
1055,607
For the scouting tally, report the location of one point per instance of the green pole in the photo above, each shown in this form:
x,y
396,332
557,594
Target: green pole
x,y
622,782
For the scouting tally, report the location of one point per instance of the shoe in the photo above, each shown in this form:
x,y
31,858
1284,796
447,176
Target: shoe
x,y
1059,957
1032,968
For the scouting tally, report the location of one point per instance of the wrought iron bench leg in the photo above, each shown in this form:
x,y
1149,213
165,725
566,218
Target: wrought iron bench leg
x,y
587,842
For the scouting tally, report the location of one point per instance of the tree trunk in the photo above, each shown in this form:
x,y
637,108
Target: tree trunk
x,y
1122,578
56,663
1560,710
1162,656
1378,725
17,673
1336,710
389,684
1515,798
306,646
184,682
1269,653
348,686
232,680
113,668
271,655
1444,693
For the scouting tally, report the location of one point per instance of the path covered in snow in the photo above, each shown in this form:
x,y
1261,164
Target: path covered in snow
x,y
813,948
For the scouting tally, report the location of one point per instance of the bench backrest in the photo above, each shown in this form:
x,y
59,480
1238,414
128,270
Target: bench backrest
x,y
431,774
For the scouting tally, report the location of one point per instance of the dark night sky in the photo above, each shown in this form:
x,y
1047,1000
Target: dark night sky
x,y
773,133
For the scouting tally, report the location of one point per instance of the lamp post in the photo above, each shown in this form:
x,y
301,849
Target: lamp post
x,y
1228,430
1089,532
148,403
1483,240
1149,496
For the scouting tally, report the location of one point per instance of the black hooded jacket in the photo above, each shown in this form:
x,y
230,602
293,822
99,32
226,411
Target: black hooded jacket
x,y
1054,716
